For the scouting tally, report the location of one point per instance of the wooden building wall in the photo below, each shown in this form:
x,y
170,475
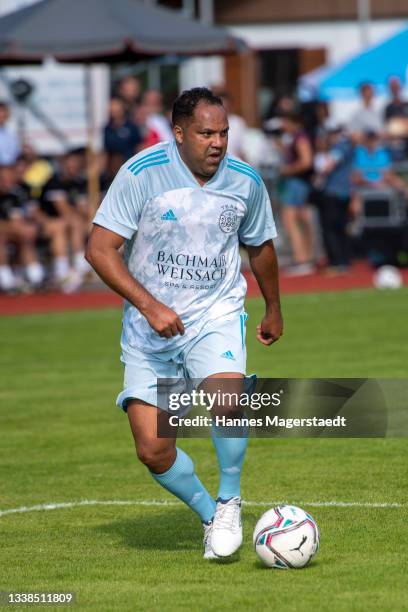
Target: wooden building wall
x,y
272,11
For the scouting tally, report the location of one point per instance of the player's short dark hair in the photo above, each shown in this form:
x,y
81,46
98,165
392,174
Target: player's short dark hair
x,y
185,104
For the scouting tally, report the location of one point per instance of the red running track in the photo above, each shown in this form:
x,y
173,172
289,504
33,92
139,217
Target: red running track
x,y
359,277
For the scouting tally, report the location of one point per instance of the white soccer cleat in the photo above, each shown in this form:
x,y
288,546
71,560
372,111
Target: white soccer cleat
x,y
208,551
226,535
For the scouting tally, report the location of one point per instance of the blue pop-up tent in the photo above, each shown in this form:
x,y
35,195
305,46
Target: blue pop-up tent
x,y
375,65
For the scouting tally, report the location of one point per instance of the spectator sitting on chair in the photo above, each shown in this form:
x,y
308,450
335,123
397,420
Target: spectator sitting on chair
x,y
18,228
64,199
37,170
51,230
372,170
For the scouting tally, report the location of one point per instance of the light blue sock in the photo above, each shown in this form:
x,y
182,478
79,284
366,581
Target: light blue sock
x,y
231,455
181,480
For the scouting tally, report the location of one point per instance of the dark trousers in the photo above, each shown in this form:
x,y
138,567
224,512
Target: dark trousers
x,y
333,217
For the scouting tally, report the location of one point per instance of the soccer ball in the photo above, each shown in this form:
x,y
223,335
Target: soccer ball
x,y
286,537
387,277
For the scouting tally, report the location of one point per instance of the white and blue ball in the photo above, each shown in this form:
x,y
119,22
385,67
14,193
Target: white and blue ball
x,y
286,537
387,277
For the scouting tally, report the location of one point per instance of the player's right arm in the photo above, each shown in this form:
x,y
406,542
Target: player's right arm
x,y
103,255
116,220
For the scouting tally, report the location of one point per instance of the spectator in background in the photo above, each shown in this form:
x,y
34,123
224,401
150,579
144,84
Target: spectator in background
x,y
121,136
397,107
17,228
9,144
335,172
322,112
315,114
396,117
372,163
37,170
129,91
367,117
148,135
372,169
396,142
64,198
156,120
296,172
283,104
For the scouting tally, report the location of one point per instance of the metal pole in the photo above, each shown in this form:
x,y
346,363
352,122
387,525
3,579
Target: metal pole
x,y
21,122
154,76
364,16
92,173
206,8
188,8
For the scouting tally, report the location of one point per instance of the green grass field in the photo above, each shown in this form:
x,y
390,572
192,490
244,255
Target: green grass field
x,y
62,440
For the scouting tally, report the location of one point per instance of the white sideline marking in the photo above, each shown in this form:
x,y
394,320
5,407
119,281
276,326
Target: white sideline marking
x,y
153,502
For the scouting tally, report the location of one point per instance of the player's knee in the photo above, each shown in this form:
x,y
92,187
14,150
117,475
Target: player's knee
x,y
156,458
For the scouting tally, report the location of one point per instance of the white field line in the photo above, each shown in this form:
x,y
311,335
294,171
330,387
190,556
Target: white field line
x,y
153,502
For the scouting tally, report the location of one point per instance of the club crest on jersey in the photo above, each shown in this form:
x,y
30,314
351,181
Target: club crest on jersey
x,y
228,221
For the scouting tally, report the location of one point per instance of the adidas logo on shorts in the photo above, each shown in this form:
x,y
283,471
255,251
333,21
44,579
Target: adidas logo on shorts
x,y
228,355
169,216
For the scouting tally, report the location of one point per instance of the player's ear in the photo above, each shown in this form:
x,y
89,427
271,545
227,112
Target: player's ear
x,y
178,134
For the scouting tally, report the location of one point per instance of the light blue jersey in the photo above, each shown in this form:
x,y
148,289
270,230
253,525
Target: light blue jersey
x,y
182,240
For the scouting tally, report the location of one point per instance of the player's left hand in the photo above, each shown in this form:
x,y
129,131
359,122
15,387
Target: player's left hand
x,y
271,327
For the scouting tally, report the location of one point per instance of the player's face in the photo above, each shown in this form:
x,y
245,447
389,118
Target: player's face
x,y
203,140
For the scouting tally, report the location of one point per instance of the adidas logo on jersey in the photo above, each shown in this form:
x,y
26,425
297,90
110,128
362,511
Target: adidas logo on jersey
x,y
228,355
169,216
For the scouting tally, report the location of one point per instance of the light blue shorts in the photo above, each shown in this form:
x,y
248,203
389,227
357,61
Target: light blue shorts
x,y
295,192
219,347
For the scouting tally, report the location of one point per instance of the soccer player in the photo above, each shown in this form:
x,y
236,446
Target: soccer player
x,y
181,208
